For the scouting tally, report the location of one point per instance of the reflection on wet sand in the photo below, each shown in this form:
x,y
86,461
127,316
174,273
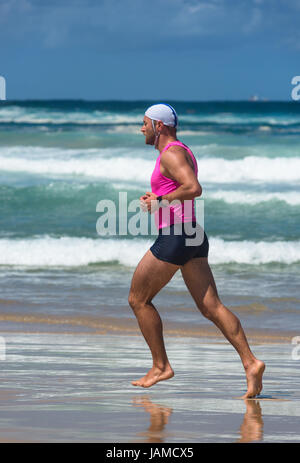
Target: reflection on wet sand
x,y
251,429
159,417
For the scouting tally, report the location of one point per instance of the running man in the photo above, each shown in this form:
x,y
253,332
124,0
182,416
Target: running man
x,y
175,178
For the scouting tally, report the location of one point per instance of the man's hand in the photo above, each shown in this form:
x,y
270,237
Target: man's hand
x,y
148,202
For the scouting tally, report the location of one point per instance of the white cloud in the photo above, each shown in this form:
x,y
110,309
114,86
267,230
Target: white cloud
x,y
255,21
140,24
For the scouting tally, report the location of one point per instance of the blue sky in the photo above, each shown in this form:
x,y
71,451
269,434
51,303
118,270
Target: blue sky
x,y
148,50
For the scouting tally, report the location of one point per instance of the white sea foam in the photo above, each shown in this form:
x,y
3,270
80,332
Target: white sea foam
x,y
35,115
29,115
250,169
126,129
41,152
122,164
246,197
239,152
121,168
250,252
230,118
192,133
46,251
209,151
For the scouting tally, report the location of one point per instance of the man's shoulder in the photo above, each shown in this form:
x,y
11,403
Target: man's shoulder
x,y
174,150
174,153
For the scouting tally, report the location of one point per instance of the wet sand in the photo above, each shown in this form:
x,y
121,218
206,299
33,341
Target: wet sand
x,y
62,387
39,323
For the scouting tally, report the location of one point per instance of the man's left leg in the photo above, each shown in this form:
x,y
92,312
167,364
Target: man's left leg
x,y
150,276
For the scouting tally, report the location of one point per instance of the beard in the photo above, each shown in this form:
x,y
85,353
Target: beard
x,y
150,139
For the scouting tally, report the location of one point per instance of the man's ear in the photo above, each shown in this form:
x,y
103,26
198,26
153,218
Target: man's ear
x,y
159,125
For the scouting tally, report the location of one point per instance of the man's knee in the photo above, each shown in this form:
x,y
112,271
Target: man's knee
x,y
134,302
209,311
205,310
137,303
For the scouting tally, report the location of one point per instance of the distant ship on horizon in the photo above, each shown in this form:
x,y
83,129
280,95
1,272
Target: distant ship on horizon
x,y
256,98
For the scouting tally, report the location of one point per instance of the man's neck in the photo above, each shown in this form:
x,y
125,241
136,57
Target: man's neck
x,y
163,141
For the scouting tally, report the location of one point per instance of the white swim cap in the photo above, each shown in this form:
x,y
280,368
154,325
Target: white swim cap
x,y
163,112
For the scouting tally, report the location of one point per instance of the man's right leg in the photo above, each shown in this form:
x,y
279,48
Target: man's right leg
x,y
150,276
200,283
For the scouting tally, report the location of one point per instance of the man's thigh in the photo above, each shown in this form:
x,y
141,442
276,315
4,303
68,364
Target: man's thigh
x,y
200,282
150,276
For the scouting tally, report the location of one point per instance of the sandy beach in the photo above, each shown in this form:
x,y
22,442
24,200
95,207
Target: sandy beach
x,y
63,387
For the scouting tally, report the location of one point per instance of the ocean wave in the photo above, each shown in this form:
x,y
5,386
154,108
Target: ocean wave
x,y
238,152
115,166
98,163
245,197
241,119
46,251
21,115
42,152
59,116
250,169
61,189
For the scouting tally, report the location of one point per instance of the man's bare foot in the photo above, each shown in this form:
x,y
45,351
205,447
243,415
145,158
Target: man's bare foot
x,y
154,376
254,375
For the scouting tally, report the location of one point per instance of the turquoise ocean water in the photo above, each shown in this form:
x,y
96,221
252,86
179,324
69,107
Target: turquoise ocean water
x,y
58,159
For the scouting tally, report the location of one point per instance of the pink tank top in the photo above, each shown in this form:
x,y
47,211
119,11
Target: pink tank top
x,y
161,185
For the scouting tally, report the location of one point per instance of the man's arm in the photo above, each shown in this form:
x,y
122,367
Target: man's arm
x,y
177,168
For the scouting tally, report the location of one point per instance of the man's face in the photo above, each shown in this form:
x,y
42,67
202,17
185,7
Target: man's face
x,y
147,130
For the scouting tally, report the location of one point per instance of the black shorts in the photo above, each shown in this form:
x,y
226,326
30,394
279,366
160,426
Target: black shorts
x,y
172,246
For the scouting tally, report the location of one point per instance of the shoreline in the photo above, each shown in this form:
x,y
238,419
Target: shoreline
x,y
55,324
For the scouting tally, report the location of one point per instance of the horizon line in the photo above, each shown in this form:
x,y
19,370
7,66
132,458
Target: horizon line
x,y
249,100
